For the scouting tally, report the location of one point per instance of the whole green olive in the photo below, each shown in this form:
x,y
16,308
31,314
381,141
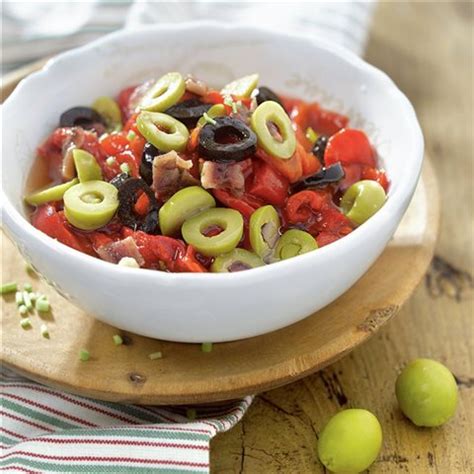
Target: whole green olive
x,y
427,392
362,200
350,442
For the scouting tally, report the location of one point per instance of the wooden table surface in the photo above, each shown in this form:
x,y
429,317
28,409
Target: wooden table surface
x,y
427,49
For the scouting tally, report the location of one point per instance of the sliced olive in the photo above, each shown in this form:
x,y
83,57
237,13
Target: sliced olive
x,y
109,110
242,87
282,146
118,180
181,206
86,166
163,131
362,200
295,242
188,111
264,94
164,93
53,193
320,147
229,220
217,110
264,231
331,174
127,196
146,164
228,139
236,261
84,117
90,205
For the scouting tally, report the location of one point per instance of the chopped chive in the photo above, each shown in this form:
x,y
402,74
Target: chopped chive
x,y
124,168
22,309
27,300
110,161
118,341
208,119
28,287
191,414
84,355
228,101
206,347
311,135
19,298
155,355
9,287
234,107
25,323
131,135
42,304
44,331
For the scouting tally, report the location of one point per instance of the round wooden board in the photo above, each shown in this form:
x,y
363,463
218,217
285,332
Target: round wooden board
x,y
187,375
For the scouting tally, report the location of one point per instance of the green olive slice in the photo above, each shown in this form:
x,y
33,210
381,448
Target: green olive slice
x,y
242,87
183,205
236,261
53,193
163,131
166,92
281,145
264,231
90,205
294,242
229,220
217,110
362,200
86,166
109,110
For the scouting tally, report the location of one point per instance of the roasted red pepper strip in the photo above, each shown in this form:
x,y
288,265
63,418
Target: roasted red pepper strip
x,y
123,101
245,204
291,168
376,175
349,146
268,185
325,122
53,223
114,144
189,262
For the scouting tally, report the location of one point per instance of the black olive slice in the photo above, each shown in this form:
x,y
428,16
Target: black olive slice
x,y
228,139
118,180
264,94
188,111
127,195
331,174
150,152
84,117
320,147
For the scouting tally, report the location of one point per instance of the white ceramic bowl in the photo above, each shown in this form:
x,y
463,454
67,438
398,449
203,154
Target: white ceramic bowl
x,y
210,307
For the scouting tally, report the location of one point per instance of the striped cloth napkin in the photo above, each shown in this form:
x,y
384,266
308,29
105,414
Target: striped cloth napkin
x,y
44,430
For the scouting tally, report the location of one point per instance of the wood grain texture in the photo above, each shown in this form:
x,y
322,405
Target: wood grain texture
x,y
426,47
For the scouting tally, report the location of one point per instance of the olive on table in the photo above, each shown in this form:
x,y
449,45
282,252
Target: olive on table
x,y
84,117
282,146
163,131
53,193
264,94
350,442
236,261
320,147
229,220
90,205
228,139
86,165
183,205
166,92
362,200
217,110
127,196
427,392
188,111
109,110
242,87
294,242
264,227
150,152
